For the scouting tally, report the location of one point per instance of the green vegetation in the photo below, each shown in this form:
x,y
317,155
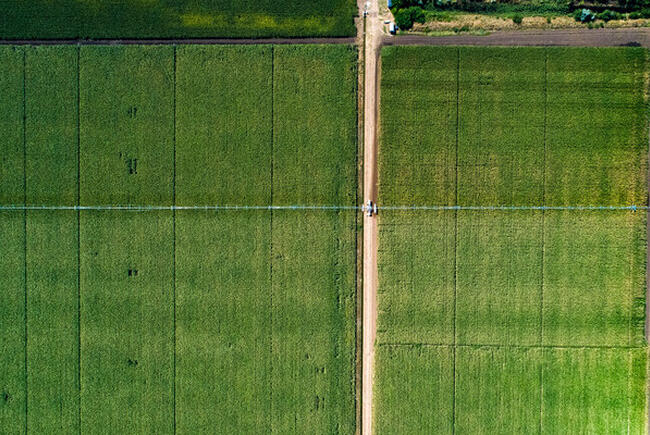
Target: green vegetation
x,y
223,98
223,321
282,325
126,125
313,305
314,86
127,19
404,18
535,318
416,297
445,10
458,11
527,6
401,409
193,320
51,248
127,321
600,390
12,308
498,390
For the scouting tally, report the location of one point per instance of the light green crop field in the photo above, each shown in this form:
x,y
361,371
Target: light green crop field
x,y
512,320
178,321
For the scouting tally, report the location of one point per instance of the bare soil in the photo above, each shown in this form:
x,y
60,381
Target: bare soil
x,y
372,47
568,37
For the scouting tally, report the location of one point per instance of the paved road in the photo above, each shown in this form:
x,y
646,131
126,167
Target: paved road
x,y
569,37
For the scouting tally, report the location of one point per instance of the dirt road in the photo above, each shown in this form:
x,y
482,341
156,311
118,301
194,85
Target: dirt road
x,y
372,45
570,37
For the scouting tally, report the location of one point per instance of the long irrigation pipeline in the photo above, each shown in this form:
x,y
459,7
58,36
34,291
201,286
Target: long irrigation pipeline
x,y
377,209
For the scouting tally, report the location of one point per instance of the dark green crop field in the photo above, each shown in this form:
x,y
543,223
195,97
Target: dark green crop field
x,y
177,320
512,320
131,19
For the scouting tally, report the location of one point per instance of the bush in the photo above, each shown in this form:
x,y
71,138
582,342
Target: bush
x,y
549,20
418,15
584,15
403,4
633,5
404,18
517,18
608,15
635,15
503,8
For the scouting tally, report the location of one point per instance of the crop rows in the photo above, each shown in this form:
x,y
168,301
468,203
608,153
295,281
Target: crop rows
x,y
126,19
512,321
182,321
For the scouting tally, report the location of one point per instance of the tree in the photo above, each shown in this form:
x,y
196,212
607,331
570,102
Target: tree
x,y
404,18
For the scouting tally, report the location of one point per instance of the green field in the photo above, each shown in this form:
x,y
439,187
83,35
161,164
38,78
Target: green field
x,y
186,321
512,321
129,19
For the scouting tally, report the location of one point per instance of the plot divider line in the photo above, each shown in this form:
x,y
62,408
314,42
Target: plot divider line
x,y
25,232
512,207
454,350
629,388
646,293
271,241
543,245
174,250
79,236
507,346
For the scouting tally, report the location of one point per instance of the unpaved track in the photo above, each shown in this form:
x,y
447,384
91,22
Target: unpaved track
x,y
372,46
569,37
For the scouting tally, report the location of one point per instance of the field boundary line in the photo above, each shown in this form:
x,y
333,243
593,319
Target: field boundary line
x,y
629,388
514,207
25,232
79,233
142,208
174,249
182,41
541,307
543,253
453,406
510,346
646,88
271,242
174,208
